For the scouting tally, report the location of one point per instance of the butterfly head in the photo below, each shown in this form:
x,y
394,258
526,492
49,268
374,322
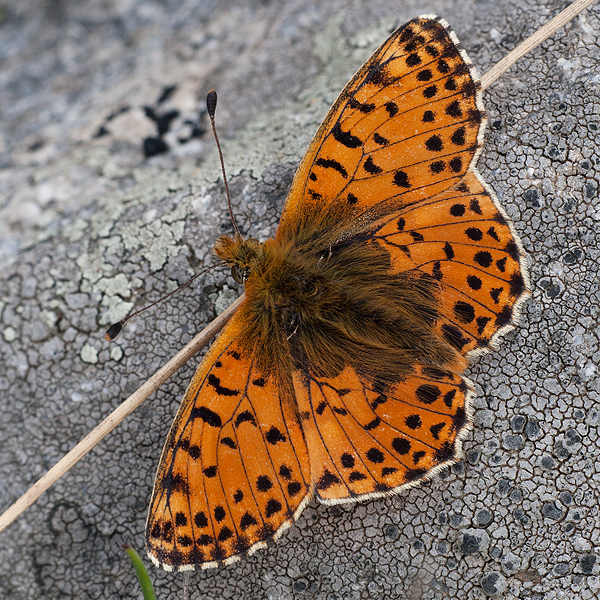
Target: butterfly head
x,y
239,253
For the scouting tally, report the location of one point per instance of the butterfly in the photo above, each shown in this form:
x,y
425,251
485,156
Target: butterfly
x,y
341,374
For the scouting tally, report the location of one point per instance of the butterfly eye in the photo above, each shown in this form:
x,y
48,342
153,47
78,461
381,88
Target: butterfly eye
x,y
239,274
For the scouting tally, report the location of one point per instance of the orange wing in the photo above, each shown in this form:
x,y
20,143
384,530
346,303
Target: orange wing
x,y
234,471
463,239
372,438
406,127
367,440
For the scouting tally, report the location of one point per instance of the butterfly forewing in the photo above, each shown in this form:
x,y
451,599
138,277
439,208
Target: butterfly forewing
x,y
368,440
235,468
406,127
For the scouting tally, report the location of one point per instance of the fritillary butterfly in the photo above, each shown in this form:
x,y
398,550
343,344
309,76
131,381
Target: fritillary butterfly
x,y
340,375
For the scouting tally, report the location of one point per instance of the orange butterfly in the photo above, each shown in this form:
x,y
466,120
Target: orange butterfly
x,y
340,374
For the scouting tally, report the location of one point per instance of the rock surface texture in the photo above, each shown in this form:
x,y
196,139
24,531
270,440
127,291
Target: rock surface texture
x,y
111,196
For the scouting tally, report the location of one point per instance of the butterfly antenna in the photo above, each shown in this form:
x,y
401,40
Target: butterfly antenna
x,y
115,329
211,105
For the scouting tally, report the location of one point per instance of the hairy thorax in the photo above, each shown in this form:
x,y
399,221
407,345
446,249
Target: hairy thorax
x,y
335,306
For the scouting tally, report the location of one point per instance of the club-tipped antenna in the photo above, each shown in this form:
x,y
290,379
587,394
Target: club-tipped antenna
x,y
115,329
211,106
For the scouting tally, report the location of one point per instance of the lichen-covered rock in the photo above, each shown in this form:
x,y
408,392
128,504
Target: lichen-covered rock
x,y
91,226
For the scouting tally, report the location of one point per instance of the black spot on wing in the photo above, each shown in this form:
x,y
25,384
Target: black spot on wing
x,y
375,455
215,382
434,143
449,398
347,460
448,251
428,116
363,107
379,139
370,167
456,164
484,259
207,415
294,488
417,456
345,137
454,336
401,179
227,441
453,109
176,483
285,472
481,323
392,108
430,91
413,60
436,429
200,520
273,507
495,294
274,436
328,163
474,233
373,424
464,312
437,167
401,445
458,137
245,417
210,472
264,483
413,421
247,521
457,210
327,480
427,393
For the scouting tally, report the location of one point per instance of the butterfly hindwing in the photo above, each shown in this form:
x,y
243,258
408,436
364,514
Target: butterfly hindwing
x,y
367,440
406,127
462,239
234,471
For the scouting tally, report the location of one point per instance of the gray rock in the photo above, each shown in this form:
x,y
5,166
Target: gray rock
x,y
551,511
517,423
493,583
511,563
483,518
587,563
472,541
91,228
532,429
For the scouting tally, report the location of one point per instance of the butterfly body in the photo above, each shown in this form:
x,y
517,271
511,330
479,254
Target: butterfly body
x,y
340,375
327,306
